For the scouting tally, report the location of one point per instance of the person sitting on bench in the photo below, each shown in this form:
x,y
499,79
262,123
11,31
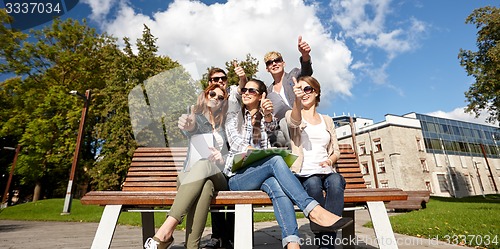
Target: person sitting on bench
x,y
314,140
198,182
247,129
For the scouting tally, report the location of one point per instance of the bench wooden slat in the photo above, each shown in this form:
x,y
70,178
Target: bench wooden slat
x,y
165,198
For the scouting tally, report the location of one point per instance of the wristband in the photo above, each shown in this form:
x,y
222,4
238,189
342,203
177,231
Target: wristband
x,y
330,160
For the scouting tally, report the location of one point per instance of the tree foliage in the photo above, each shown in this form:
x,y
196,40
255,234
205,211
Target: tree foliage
x,y
137,97
42,114
114,133
484,64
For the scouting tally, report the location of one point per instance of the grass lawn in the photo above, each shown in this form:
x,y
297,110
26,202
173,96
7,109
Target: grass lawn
x,y
471,221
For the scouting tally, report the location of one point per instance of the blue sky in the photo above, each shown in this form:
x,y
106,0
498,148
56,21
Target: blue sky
x,y
372,57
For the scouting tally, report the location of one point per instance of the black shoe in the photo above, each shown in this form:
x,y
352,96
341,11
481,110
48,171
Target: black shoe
x,y
227,244
343,222
212,243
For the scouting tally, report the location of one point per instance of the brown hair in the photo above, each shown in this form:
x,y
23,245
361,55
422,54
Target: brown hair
x,y
258,116
313,82
214,70
201,106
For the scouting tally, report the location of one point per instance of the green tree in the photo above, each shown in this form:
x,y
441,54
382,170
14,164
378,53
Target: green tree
x,y
484,64
115,135
42,115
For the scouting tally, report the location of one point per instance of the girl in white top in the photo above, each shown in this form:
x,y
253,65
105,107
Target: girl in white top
x,y
313,138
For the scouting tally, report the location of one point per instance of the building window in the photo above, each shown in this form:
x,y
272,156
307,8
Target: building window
x,y
423,163
364,168
384,183
443,184
368,184
378,145
428,186
381,166
454,178
469,184
420,146
362,148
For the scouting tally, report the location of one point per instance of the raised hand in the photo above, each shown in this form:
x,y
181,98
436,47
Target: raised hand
x,y
266,105
186,121
238,70
304,49
299,93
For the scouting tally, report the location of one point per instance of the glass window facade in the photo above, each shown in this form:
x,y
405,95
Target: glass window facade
x,y
458,137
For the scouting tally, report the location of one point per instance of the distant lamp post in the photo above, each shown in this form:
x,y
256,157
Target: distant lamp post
x,y
69,190
4,197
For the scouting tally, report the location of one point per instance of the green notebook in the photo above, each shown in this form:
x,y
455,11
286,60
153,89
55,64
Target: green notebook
x,y
242,160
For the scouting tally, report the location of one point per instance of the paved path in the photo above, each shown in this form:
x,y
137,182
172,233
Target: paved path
x,y
61,235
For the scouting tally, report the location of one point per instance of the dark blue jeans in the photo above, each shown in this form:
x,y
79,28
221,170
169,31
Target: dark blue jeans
x,y
334,185
273,176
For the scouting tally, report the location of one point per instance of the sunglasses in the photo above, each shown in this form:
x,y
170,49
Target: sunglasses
x,y
308,89
217,79
277,60
213,94
251,91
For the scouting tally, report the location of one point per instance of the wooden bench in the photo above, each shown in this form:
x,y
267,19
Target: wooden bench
x,y
151,182
417,199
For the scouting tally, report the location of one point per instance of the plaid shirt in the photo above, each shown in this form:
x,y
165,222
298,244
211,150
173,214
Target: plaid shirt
x,y
239,134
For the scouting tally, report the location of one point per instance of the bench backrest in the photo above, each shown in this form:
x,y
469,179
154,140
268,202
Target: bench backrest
x,y
155,169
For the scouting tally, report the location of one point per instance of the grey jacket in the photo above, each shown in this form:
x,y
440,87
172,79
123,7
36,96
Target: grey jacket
x,y
280,107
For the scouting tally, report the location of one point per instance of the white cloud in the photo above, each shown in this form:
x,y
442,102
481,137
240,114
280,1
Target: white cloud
x,y
459,114
210,35
364,21
100,8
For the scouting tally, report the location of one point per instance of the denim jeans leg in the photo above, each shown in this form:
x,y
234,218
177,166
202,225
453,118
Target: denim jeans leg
x,y
314,187
252,177
290,184
283,211
335,187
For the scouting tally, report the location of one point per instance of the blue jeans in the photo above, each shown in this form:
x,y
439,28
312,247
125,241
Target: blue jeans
x,y
334,185
273,176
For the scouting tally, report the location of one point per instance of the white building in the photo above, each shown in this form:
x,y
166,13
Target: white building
x,y
421,152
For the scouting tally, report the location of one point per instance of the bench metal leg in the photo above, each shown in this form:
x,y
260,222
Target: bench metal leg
x,y
148,225
243,226
382,225
348,233
107,226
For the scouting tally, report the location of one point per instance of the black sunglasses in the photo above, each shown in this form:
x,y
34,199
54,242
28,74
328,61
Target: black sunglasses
x,y
216,79
308,89
213,94
277,60
251,91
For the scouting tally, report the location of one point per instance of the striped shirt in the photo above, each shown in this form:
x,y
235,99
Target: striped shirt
x,y
239,134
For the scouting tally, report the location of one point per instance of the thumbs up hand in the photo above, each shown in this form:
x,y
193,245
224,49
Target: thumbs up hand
x,y
186,122
266,105
238,70
304,49
297,89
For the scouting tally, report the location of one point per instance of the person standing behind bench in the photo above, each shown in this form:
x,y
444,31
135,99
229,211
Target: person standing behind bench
x,y
314,140
197,184
247,129
280,92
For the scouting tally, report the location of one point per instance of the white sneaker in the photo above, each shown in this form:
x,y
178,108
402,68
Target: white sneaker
x,y
155,243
